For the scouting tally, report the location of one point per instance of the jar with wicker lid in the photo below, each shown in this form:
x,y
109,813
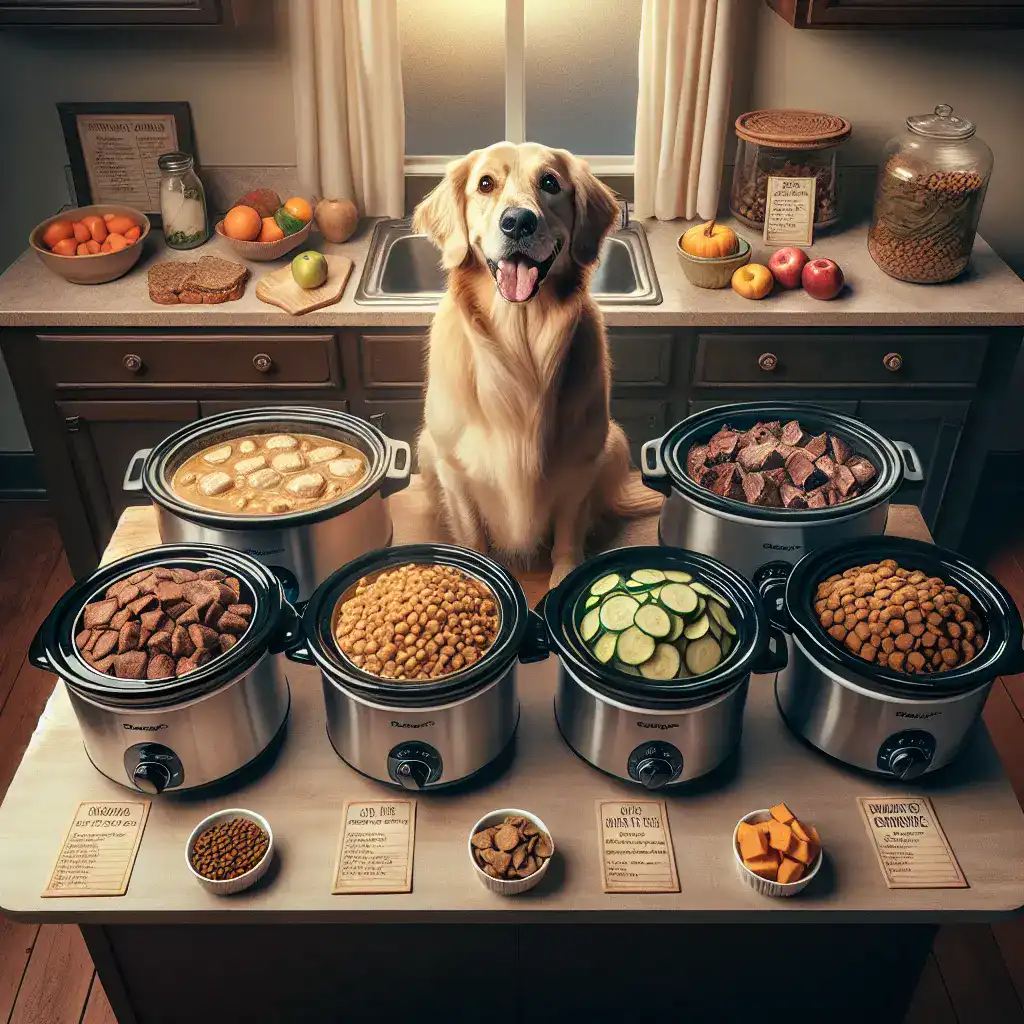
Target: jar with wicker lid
x,y
929,197
786,144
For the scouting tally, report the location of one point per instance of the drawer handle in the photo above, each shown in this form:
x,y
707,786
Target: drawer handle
x,y
768,361
893,362
132,363
263,362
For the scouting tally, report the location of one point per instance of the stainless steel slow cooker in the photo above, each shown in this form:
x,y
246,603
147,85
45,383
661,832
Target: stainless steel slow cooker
x,y
651,732
176,734
422,735
747,536
892,723
301,547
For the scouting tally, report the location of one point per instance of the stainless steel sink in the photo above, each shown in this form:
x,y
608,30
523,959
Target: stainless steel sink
x,y
402,269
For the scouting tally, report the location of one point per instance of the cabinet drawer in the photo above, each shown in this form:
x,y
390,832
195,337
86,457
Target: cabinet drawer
x,y
640,358
838,359
641,419
396,359
196,360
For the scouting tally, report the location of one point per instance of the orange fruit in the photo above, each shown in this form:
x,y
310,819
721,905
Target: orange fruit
x,y
116,241
299,209
132,234
243,222
93,246
81,232
82,249
97,226
119,224
65,247
56,232
109,216
270,232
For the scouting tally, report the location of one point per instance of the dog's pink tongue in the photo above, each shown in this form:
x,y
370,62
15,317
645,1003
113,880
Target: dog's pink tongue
x,y
516,279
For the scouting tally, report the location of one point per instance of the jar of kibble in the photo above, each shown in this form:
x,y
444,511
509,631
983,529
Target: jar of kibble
x,y
786,144
929,197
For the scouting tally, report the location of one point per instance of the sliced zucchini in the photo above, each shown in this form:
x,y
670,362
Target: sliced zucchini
x,y
678,598
591,625
648,576
716,629
677,627
621,666
605,584
604,649
708,592
696,629
642,596
617,612
634,646
653,620
702,605
719,614
663,664
677,576
726,646
703,655
591,601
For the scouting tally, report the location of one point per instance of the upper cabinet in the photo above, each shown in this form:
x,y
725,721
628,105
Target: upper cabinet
x,y
84,13
900,13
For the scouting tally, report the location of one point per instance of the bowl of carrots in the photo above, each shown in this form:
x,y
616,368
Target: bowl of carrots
x,y
91,244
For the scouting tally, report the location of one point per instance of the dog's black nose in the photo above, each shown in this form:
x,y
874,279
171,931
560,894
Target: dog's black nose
x,y
517,223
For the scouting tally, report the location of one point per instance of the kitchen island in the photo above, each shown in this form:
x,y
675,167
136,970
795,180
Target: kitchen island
x,y
289,950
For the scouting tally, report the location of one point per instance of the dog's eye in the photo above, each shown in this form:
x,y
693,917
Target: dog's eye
x,y
485,184
549,183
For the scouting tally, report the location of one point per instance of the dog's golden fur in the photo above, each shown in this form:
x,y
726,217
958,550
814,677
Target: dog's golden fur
x,y
517,442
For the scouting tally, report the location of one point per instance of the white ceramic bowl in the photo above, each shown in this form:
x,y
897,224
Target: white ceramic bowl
x,y
508,886
765,886
227,886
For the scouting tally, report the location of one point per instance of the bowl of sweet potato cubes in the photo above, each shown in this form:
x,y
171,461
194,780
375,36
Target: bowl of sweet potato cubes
x,y
91,244
776,854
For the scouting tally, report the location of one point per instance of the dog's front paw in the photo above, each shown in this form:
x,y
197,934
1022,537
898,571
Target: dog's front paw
x,y
559,571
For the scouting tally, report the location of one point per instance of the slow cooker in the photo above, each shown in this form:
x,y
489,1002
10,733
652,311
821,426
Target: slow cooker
x,y
301,547
656,733
176,734
891,723
431,734
747,536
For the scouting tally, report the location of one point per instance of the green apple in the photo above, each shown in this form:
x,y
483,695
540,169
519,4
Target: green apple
x,y
309,269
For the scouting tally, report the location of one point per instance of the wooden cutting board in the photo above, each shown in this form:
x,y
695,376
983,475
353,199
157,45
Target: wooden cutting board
x,y
279,287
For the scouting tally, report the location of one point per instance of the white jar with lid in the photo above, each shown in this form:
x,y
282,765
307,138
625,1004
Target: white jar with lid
x,y
182,202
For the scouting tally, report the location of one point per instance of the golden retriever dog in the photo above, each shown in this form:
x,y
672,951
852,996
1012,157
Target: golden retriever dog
x,y
517,443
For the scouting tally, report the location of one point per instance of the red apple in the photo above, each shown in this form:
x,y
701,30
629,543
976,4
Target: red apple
x,y
822,278
787,265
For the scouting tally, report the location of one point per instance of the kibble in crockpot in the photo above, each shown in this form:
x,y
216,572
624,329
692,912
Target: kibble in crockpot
x,y
417,622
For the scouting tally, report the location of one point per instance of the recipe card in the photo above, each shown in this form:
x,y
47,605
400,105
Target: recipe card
x,y
911,847
376,847
636,846
99,850
789,213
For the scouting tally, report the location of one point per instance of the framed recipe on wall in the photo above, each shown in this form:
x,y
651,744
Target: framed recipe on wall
x,y
113,150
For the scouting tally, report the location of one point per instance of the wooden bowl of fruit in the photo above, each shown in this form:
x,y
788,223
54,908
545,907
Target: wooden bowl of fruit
x,y
91,244
256,233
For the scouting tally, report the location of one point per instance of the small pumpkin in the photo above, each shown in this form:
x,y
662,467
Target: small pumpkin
x,y
710,241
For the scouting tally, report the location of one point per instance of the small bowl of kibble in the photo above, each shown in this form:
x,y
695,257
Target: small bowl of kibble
x,y
230,850
510,850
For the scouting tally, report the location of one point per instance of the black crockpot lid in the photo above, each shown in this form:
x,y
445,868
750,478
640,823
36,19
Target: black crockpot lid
x,y
996,608
318,618
562,611
864,440
55,640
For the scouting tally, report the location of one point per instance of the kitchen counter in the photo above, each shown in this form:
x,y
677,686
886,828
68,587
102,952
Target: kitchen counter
x,y
989,294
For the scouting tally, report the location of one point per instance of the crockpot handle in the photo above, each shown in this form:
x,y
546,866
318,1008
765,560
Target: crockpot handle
x,y
775,656
287,631
652,469
913,468
396,476
299,654
131,481
536,645
770,581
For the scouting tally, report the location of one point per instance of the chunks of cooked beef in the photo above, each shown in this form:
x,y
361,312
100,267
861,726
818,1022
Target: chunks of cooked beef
x,y
779,465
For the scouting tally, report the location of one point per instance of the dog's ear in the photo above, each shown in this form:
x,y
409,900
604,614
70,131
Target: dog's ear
x,y
442,215
596,212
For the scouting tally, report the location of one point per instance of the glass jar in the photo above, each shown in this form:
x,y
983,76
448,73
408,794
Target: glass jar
x,y
182,202
929,196
786,144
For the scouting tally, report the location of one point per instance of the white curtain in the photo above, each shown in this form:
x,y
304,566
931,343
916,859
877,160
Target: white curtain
x,y
349,106
686,59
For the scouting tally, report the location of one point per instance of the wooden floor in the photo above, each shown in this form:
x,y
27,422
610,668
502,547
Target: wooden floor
x,y
975,974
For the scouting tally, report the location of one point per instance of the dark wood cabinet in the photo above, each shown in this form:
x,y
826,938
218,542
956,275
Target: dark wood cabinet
x,y
838,14
84,13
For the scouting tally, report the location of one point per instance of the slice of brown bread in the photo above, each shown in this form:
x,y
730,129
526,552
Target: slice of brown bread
x,y
165,279
208,281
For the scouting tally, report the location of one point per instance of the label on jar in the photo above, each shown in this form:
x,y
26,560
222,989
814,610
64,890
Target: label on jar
x,y
636,846
911,848
375,850
789,213
99,850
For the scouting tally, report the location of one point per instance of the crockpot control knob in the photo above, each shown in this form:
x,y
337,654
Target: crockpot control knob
x,y
654,772
908,762
151,777
412,774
